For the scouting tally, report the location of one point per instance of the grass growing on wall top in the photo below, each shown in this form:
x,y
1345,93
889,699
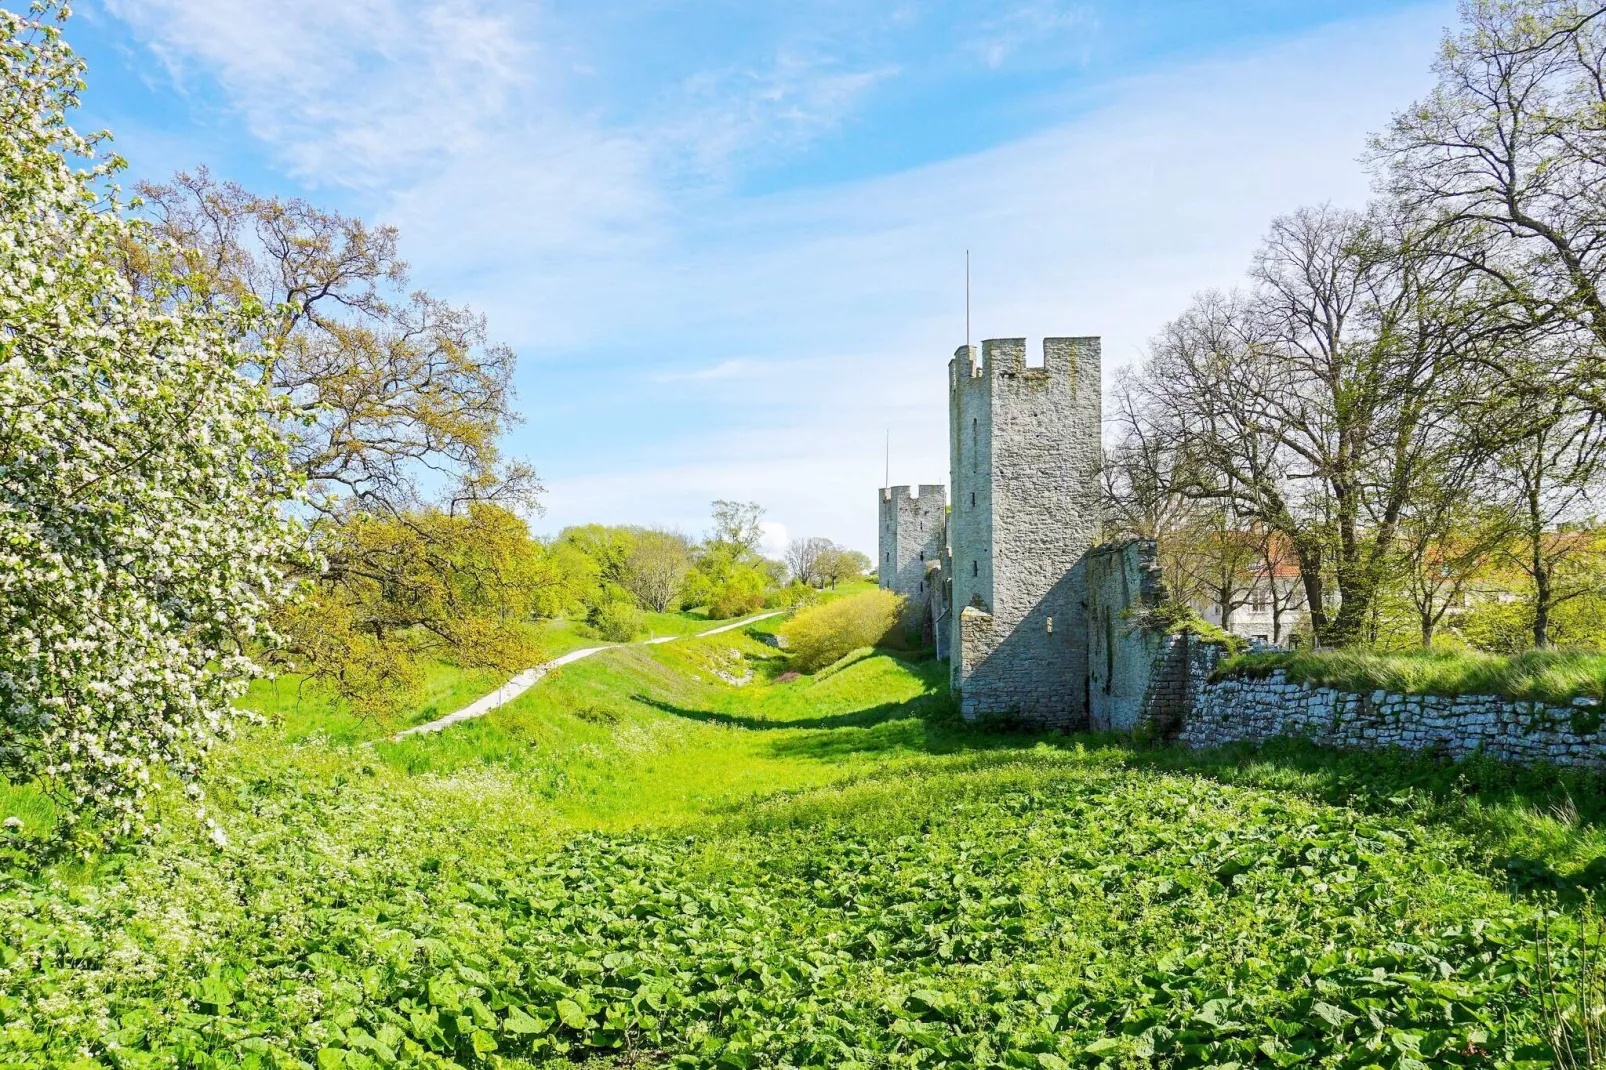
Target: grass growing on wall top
x,y
1555,676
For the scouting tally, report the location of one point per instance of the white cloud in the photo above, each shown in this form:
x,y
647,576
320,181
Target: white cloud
x,y
773,544
720,116
1042,23
347,92
725,369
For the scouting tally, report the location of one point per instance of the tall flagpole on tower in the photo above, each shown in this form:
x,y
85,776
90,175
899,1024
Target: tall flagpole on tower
x,y
967,301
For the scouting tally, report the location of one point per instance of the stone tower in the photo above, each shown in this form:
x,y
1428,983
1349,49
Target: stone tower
x,y
913,535
1024,461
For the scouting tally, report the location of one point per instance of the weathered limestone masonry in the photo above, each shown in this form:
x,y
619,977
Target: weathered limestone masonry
x,y
1256,710
1178,676
913,537
1141,677
1024,466
1122,584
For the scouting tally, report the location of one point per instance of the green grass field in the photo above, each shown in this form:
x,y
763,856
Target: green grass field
x,y
640,862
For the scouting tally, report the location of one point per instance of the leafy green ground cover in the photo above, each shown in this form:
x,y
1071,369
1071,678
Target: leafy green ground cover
x,y
1538,675
640,862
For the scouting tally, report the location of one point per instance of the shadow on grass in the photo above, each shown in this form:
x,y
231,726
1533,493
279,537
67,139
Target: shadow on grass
x,y
928,723
923,709
1537,830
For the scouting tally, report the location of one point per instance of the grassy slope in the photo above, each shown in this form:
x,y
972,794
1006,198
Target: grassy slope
x,y
1539,675
637,855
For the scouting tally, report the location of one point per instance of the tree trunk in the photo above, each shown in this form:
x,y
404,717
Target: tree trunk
x,y
1355,598
1540,570
1310,576
1542,598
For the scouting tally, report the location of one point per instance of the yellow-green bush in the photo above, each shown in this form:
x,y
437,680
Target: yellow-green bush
x,y
741,594
821,634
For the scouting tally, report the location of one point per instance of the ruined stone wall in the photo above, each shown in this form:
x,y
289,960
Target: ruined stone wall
x,y
1178,676
1123,585
1024,451
912,537
1255,710
1142,677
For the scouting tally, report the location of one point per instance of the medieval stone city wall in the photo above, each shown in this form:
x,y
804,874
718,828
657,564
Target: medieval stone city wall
x,y
1256,710
1039,625
1025,466
970,439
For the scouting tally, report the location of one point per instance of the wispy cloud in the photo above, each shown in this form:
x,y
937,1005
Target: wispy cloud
x,y
1062,30
1104,225
725,369
347,92
720,117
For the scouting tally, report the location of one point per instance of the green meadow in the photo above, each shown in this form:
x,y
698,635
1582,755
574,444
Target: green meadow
x,y
639,862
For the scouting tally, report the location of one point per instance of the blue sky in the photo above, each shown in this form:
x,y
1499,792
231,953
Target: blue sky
x,y
727,239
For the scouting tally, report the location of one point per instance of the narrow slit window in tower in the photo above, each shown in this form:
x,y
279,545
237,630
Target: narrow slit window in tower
x,y
975,569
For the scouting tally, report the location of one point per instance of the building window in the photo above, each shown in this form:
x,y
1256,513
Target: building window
x,y
975,569
973,499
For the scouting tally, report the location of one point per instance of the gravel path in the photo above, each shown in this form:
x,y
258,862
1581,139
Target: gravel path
x,y
528,678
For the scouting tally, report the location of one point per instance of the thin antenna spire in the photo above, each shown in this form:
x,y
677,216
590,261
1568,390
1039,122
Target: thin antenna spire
x,y
967,300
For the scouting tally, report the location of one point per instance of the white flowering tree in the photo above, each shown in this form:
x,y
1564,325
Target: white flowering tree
x,y
142,475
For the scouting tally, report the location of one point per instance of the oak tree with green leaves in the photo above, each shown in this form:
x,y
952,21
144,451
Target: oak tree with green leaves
x,y
394,405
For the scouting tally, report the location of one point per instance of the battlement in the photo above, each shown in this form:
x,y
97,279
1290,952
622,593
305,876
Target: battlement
x,y
965,365
923,492
1071,360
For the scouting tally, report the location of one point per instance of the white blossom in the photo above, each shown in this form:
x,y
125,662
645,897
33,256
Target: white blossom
x,y
142,476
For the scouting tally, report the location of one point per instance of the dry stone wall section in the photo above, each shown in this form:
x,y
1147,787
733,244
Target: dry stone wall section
x,y
1256,710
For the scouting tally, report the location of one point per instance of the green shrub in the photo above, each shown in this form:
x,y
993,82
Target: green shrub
x,y
821,634
1180,618
741,594
618,621
696,589
789,597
